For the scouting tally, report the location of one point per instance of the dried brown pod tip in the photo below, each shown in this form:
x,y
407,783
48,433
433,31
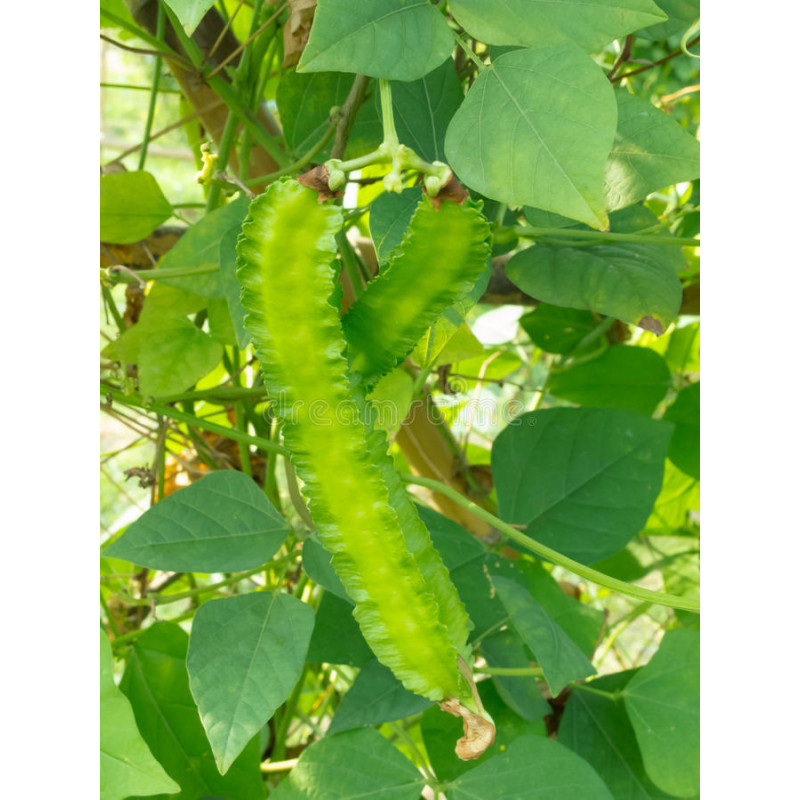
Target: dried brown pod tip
x,y
478,732
452,191
317,179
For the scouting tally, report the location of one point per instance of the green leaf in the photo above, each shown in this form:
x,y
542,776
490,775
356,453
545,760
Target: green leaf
x,y
423,110
376,696
583,480
591,24
439,731
127,766
682,13
389,216
246,654
636,283
172,354
132,206
536,129
559,657
520,693
336,638
535,768
581,622
318,567
679,496
221,523
220,324
190,12
622,377
684,414
231,287
682,578
305,102
358,763
157,684
683,349
598,730
559,330
391,399
663,703
399,40
650,151
200,247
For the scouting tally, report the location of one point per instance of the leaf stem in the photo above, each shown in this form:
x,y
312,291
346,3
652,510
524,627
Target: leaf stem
x,y
629,589
468,51
601,237
151,108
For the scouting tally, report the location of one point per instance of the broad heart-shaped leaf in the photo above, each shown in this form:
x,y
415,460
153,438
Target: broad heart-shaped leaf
x,y
221,523
376,696
556,329
399,40
156,683
127,766
246,654
190,12
132,206
348,765
305,101
583,480
663,703
172,354
559,657
598,730
423,109
200,247
536,129
535,768
684,413
650,151
622,377
591,24
636,283
231,287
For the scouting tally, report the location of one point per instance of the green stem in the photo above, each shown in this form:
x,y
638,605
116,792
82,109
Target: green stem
x,y
468,51
112,307
513,671
159,274
601,237
658,598
137,401
279,750
390,138
583,687
350,263
223,154
151,108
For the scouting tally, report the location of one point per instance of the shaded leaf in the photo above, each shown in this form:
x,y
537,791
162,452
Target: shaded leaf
x,y
622,377
127,767
684,414
520,693
231,288
679,497
583,480
358,763
389,216
398,40
632,282
597,729
376,696
536,129
556,329
246,654
559,657
132,206
650,151
682,13
200,247
337,638
157,684
221,523
423,110
535,768
663,703
520,22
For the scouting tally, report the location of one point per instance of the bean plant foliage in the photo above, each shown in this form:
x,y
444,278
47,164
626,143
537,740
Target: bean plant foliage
x,y
412,391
